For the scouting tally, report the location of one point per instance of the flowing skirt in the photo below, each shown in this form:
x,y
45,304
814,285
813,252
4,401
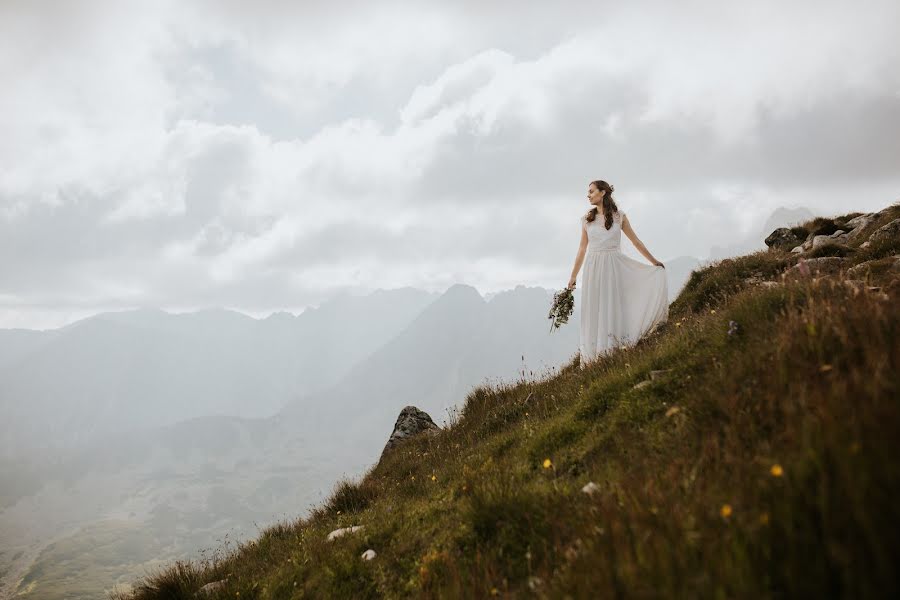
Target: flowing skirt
x,y
621,300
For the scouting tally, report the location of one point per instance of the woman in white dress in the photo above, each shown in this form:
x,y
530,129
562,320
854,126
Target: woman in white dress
x,y
621,298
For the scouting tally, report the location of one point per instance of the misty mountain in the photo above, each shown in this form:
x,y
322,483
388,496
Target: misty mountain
x,y
145,368
17,343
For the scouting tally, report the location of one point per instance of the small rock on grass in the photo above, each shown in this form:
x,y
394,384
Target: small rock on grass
x,y
368,554
343,530
211,587
590,488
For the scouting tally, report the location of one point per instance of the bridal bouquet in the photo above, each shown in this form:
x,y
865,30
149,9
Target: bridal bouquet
x,y
562,308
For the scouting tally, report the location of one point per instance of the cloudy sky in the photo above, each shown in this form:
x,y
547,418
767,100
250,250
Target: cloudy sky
x,y
265,156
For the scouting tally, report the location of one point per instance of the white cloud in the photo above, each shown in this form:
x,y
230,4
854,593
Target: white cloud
x,y
234,155
88,102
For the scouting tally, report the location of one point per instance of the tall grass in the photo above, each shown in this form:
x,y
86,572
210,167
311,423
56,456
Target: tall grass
x,y
761,466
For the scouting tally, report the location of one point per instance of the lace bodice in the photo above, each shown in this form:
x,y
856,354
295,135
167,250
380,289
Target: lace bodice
x,y
601,238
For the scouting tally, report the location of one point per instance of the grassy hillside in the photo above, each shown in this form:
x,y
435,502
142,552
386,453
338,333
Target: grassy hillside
x,y
760,465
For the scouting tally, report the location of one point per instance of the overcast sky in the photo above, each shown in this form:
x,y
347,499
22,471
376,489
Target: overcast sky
x,y
266,155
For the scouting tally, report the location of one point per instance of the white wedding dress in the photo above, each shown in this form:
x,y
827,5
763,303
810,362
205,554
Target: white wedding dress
x,y
621,298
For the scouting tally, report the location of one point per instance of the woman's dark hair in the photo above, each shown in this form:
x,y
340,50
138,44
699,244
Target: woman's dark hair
x,y
609,205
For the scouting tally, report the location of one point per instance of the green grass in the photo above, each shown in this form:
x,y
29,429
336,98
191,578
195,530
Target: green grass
x,y
688,502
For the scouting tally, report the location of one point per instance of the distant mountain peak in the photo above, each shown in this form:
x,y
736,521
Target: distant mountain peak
x,y
462,290
520,291
216,311
281,315
458,298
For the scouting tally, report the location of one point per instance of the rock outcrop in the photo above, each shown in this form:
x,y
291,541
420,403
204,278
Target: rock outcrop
x,y
858,225
844,234
890,230
861,270
411,421
783,238
862,249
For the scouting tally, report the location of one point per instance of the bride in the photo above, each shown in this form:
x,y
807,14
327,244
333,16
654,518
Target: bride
x,y
621,298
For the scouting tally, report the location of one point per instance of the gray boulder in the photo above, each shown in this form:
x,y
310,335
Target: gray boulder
x,y
782,238
211,588
860,222
891,230
821,240
840,236
859,226
807,244
411,421
862,270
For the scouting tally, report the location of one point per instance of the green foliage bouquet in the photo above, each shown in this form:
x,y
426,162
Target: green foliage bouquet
x,y
562,308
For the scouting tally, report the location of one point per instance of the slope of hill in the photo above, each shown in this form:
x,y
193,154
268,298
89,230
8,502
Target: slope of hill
x,y
758,461
746,449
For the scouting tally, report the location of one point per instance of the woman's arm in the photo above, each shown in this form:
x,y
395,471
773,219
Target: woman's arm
x,y
579,258
626,227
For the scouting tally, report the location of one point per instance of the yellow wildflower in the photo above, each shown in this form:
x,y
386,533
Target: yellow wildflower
x,y
678,324
776,470
433,477
725,511
547,463
495,591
